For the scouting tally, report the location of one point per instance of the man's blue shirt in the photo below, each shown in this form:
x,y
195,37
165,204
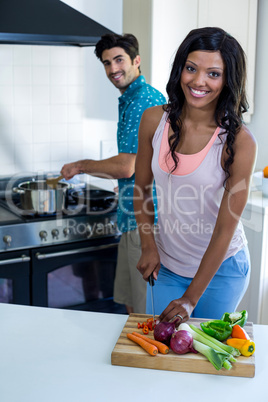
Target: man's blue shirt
x,y
137,97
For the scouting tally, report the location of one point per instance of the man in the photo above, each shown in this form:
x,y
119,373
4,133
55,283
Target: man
x,y
121,60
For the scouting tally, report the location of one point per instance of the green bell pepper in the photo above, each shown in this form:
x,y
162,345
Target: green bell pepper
x,y
219,329
236,318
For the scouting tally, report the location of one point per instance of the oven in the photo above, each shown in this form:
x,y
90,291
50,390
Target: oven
x,y
15,277
65,259
78,276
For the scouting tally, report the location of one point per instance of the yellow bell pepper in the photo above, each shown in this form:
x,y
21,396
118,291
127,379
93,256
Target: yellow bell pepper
x,y
245,346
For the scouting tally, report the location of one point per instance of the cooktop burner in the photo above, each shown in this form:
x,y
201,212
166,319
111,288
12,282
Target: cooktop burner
x,y
88,213
7,217
76,203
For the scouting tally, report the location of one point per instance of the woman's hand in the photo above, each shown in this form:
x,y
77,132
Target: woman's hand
x,y
148,263
181,308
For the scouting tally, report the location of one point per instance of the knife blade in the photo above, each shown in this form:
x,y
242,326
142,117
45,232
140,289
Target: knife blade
x,y
151,282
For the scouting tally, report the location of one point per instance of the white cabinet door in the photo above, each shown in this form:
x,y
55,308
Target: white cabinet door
x,y
239,18
161,26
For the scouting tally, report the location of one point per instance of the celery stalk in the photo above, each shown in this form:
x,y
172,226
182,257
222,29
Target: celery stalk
x,y
217,344
200,336
218,359
227,365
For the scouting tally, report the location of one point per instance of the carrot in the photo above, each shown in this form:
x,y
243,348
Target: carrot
x,y
151,349
239,332
164,349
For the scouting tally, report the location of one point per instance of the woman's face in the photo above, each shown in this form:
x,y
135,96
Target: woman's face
x,y
203,78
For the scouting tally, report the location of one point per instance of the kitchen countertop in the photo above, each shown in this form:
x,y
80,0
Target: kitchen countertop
x,y
258,202
54,355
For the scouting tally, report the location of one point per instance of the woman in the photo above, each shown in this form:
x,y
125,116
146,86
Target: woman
x,y
201,156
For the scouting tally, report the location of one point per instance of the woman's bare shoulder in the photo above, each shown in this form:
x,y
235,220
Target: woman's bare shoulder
x,y
245,138
245,151
152,116
154,111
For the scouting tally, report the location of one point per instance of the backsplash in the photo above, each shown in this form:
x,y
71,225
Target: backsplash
x,y
42,123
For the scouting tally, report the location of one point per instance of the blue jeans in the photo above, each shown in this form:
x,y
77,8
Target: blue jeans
x,y
223,293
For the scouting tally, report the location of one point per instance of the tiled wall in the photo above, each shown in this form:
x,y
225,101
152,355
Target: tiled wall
x,y
41,107
56,105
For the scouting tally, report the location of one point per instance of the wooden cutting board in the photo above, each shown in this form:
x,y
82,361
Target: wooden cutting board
x,y
128,353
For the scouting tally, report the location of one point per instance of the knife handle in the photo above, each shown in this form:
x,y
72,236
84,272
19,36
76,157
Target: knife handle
x,y
151,279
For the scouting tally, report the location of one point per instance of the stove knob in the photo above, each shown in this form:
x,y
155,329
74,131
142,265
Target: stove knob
x,y
66,231
43,235
55,233
7,239
89,230
111,226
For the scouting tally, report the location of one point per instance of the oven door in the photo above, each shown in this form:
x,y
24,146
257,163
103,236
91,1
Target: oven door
x,y
15,277
76,276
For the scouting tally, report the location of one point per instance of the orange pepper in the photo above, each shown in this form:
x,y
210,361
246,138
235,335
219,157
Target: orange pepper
x,y
239,332
145,330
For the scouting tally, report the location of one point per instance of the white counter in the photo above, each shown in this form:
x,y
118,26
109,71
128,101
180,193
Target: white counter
x,y
53,355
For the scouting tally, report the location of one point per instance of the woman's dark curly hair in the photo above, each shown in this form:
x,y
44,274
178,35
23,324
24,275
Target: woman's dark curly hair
x,y
232,101
128,42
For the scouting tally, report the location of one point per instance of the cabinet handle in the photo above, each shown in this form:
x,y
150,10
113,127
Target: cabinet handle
x,y
18,260
40,256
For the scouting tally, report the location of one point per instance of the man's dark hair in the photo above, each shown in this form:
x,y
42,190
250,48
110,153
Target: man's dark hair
x,y
128,42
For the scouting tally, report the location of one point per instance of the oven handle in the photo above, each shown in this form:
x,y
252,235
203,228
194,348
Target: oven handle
x,y
40,256
23,258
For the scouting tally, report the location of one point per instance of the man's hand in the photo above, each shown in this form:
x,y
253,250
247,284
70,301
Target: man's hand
x,y
70,170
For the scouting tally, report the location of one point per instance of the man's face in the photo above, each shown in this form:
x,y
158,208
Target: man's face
x,y
119,68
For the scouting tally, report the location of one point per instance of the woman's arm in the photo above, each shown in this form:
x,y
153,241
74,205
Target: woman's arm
x,y
143,199
231,208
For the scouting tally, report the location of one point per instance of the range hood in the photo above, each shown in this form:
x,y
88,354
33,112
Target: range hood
x,y
46,22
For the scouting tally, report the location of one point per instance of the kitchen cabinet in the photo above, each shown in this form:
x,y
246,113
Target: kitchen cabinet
x,y
255,220
161,26
239,18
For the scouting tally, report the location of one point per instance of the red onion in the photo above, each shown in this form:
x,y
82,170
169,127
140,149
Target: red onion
x,y
164,330
181,342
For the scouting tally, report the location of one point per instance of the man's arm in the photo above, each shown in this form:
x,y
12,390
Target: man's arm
x,y
117,167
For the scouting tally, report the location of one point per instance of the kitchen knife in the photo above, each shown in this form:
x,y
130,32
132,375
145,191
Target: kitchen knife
x,y
151,282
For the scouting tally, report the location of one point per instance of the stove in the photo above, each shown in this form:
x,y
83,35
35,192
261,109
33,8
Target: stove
x,y
65,259
20,229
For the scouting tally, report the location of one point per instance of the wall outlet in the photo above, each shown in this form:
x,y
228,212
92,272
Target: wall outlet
x,y
108,149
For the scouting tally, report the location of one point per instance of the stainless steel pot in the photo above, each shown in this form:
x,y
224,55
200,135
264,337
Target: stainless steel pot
x,y
38,197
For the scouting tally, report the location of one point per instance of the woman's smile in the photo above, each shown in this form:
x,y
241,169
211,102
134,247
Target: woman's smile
x,y
198,93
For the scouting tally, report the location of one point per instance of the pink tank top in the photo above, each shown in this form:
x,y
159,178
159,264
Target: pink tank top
x,y
188,204
187,163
